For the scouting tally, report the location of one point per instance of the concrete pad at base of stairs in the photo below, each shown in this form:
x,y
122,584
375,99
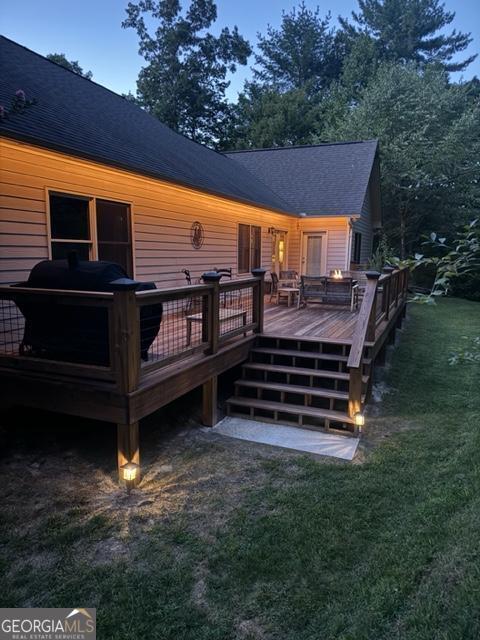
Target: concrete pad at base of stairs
x,y
279,435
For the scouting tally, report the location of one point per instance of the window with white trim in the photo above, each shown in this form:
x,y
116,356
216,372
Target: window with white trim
x,y
249,247
96,229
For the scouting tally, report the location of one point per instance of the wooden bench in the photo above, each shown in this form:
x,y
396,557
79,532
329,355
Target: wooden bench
x,y
223,315
312,288
342,291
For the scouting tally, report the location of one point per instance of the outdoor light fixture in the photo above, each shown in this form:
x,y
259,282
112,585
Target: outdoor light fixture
x,y
337,274
130,472
359,420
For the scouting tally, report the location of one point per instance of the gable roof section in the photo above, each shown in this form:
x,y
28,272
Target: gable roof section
x,y
326,179
77,116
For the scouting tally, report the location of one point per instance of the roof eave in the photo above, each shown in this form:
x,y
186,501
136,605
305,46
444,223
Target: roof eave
x,y
35,141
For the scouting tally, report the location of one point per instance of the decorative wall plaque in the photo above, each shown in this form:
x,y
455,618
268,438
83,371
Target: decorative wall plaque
x,y
197,235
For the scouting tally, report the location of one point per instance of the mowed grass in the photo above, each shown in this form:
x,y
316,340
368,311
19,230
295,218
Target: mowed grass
x,y
386,549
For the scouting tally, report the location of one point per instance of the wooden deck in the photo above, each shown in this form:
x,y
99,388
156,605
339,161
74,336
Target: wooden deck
x,y
311,366
314,321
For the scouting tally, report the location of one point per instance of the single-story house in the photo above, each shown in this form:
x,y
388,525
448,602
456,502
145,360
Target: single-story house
x,y
86,169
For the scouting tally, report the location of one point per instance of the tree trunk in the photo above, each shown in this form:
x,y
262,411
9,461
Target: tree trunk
x,y
402,233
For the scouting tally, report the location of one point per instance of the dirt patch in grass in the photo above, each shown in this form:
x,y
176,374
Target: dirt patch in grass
x,y
60,487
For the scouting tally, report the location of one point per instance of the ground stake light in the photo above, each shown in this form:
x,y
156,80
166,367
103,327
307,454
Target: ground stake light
x,y
130,472
359,420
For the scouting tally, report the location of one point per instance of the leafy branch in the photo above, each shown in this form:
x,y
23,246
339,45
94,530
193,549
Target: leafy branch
x,y
449,260
18,104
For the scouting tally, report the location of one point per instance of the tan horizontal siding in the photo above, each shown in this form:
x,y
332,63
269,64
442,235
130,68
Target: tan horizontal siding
x,y
162,215
336,229
23,229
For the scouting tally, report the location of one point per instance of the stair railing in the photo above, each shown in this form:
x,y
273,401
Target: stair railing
x,y
364,332
383,293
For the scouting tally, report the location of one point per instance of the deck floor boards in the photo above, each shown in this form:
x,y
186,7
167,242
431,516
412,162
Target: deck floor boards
x,y
313,321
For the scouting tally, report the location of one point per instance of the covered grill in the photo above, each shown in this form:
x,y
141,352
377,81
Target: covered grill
x,y
78,333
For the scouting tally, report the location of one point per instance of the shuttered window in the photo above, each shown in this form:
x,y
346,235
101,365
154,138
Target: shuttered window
x,y
249,247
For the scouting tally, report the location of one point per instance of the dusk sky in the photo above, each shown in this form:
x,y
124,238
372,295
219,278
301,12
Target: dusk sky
x,y
91,32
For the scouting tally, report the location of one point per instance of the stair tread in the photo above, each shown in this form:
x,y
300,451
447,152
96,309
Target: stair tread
x,y
296,353
280,368
293,388
336,416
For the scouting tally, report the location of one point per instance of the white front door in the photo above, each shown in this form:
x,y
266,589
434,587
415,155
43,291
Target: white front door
x,y
313,254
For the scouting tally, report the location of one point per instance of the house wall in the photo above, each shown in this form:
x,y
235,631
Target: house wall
x,y
162,216
336,231
364,225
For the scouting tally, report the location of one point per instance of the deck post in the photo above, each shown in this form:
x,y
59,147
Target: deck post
x,y
258,300
126,335
397,274
381,356
355,392
387,288
213,315
125,348
209,402
372,320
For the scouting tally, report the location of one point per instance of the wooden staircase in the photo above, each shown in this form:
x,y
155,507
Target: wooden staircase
x,y
298,382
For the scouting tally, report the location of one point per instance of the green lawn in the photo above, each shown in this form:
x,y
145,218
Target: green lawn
x,y
281,546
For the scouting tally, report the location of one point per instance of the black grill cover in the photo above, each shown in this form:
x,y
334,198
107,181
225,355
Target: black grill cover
x,y
77,333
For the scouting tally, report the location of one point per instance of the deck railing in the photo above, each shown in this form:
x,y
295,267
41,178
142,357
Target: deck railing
x,y
105,336
383,294
88,354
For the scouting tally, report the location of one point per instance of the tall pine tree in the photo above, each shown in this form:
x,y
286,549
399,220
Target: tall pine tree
x,y
304,53
410,31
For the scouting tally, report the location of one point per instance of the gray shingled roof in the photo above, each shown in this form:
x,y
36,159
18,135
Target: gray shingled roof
x,y
327,179
80,117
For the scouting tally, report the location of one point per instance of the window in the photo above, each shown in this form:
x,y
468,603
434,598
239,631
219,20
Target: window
x,y
357,247
113,233
71,220
249,247
70,226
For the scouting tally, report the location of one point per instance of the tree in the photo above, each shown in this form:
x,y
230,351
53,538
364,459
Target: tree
x,y
184,81
304,53
72,65
264,118
429,132
410,31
